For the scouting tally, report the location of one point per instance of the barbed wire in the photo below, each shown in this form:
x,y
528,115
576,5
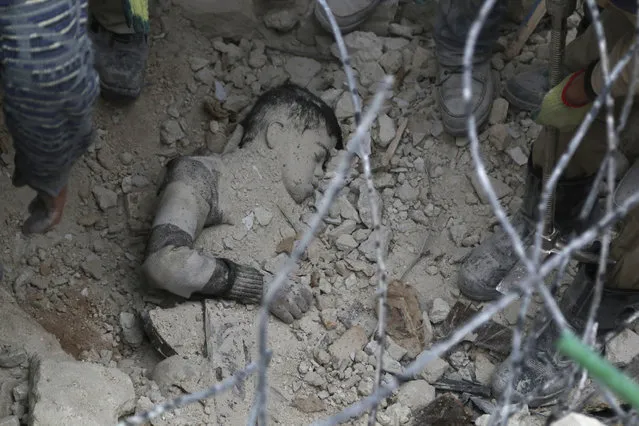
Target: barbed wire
x,y
537,267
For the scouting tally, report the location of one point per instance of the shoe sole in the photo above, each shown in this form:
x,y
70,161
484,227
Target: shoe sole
x,y
463,131
518,103
364,15
115,95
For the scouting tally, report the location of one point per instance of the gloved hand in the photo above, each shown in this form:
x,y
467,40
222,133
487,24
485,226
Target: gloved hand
x,y
557,111
290,302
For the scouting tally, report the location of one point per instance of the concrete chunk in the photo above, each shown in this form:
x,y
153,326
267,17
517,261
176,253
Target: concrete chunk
x,y
74,393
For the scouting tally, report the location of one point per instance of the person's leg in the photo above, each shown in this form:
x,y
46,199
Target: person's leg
x,y
454,20
620,297
121,52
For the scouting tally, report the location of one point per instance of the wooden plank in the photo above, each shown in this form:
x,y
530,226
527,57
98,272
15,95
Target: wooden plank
x,y
527,28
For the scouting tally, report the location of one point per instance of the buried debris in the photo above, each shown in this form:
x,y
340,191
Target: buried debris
x,y
446,410
405,323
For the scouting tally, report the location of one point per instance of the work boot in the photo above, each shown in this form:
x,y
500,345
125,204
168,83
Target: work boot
x,y
543,377
120,60
451,103
349,14
488,263
46,212
527,89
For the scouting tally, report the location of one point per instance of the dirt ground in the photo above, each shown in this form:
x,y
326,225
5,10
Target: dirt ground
x,y
78,279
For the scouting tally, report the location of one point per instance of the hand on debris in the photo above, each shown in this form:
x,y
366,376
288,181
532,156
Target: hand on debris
x,y
566,105
291,302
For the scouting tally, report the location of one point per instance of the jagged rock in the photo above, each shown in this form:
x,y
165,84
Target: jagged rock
x,y
577,419
363,205
74,393
386,130
344,107
10,421
483,369
500,188
416,394
499,136
105,198
439,311
623,347
499,111
434,370
302,70
281,20
309,404
131,330
352,341
171,131
346,242
11,356
367,248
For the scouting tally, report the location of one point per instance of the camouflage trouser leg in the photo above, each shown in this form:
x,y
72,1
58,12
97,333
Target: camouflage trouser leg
x,y
110,14
454,19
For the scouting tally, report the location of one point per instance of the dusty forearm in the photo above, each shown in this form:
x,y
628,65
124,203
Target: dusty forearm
x,y
49,85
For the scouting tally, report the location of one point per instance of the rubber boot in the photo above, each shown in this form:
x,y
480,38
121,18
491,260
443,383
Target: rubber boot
x,y
489,262
46,212
542,377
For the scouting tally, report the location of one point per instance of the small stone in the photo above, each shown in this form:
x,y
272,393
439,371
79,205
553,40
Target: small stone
x,y
370,74
499,111
623,347
11,357
434,370
518,156
366,386
92,266
500,188
387,130
344,107
21,392
131,329
428,329
197,63
126,158
484,369
314,379
390,365
263,216
303,367
282,20
577,419
346,242
499,136
407,193
309,404
394,350
363,205
353,340
439,311
302,70
206,76
391,61
323,357
416,394
105,198
367,248
257,59
10,421
171,132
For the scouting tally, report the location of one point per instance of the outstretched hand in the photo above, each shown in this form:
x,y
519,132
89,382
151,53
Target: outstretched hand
x,y
291,302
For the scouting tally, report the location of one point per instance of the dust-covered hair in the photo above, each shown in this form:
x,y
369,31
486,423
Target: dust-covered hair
x,y
304,110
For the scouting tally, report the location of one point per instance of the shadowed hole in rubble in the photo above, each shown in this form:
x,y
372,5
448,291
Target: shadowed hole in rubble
x,y
69,319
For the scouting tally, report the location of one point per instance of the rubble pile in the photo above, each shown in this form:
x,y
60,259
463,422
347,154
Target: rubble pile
x,y
80,285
